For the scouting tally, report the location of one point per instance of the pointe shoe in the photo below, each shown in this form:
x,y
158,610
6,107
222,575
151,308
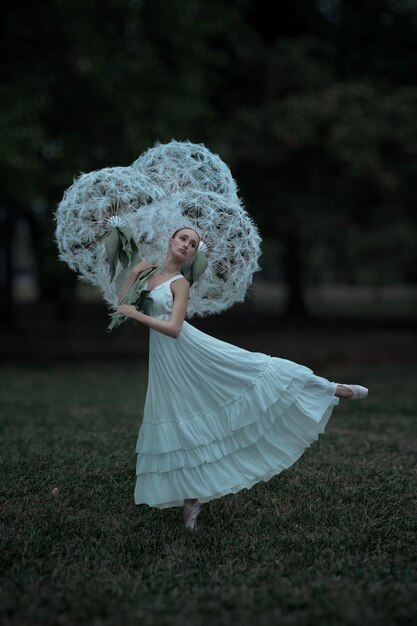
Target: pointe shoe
x,y
358,392
193,510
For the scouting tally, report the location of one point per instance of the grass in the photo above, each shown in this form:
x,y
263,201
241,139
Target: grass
x,y
330,541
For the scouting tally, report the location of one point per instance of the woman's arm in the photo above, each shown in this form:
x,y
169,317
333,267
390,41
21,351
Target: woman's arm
x,y
172,327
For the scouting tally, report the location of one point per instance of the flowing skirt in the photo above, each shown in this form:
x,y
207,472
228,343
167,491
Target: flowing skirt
x,y
218,418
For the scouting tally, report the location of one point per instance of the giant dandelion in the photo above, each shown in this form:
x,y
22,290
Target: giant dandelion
x,y
170,186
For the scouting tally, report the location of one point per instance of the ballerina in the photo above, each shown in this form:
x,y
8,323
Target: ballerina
x,y
217,418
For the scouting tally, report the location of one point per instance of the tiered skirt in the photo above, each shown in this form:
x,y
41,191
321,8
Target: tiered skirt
x,y
219,419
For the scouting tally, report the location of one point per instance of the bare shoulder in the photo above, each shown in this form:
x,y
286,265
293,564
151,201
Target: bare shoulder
x,y
180,286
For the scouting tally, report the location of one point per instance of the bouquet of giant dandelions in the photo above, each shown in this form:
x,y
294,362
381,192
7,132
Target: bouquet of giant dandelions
x,y
110,218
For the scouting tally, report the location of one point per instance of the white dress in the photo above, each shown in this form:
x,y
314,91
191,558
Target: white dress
x,y
218,418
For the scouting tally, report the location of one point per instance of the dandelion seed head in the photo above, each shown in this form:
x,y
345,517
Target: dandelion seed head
x,y
171,185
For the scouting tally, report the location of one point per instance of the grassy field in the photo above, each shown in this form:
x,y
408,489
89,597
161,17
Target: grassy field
x,y
330,541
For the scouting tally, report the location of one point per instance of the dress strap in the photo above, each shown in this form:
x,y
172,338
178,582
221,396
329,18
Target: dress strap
x,y
171,280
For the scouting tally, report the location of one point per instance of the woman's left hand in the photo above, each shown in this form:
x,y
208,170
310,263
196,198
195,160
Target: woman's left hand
x,y
127,309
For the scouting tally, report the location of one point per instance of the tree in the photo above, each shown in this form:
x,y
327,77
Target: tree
x,y
92,85
325,152
314,112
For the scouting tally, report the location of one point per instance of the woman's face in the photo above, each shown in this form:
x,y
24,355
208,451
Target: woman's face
x,y
184,243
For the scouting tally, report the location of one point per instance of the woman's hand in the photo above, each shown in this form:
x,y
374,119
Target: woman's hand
x,y
171,327
142,266
128,310
134,273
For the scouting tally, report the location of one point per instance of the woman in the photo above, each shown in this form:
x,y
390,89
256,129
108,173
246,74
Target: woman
x,y
217,418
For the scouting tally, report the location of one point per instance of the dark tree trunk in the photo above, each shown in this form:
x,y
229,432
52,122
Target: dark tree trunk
x,y
7,313
293,270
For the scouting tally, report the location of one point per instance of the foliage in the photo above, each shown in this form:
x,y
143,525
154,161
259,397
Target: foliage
x,y
333,162
314,112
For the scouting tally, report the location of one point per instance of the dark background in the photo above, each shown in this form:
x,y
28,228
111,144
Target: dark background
x,y
312,105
